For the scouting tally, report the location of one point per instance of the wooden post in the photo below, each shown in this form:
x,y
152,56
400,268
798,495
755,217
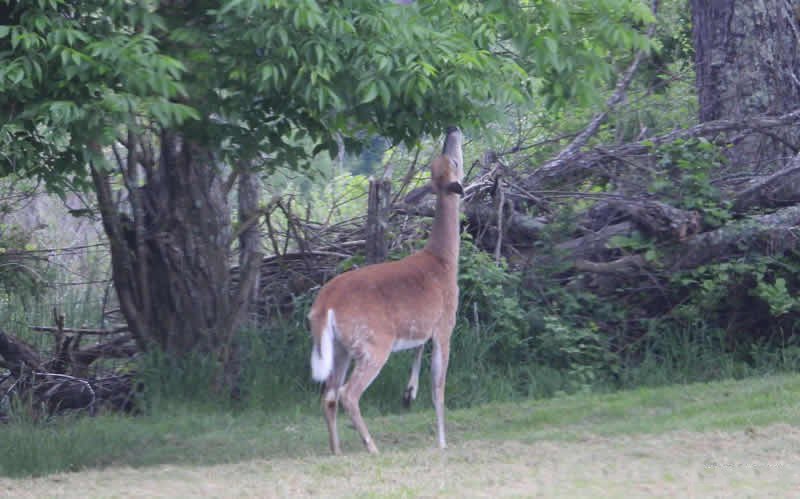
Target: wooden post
x,y
377,213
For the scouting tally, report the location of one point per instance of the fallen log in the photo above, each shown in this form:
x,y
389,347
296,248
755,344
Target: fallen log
x,y
519,227
59,393
771,234
32,378
594,245
17,355
653,218
777,190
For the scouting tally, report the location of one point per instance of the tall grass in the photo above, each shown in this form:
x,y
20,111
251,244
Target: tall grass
x,y
697,352
74,286
275,378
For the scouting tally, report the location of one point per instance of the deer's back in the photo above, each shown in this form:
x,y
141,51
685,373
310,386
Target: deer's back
x,y
408,298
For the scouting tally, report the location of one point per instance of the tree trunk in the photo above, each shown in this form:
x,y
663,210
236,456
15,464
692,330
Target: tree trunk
x,y
170,264
747,62
190,237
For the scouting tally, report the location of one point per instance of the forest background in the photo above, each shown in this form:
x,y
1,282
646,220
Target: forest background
x,y
179,177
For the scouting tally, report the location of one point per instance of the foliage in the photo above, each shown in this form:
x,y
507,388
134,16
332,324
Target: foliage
x,y
656,107
688,166
20,269
489,299
752,299
516,327
69,78
237,84
560,43
243,76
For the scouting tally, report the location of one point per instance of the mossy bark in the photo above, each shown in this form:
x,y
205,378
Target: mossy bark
x,y
748,63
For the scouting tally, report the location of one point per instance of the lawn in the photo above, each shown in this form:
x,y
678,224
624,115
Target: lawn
x,y
726,438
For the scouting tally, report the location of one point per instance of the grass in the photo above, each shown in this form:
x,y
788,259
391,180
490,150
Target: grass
x,y
185,434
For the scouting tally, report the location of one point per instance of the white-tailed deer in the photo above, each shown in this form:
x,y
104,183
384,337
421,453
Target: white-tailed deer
x,y
364,315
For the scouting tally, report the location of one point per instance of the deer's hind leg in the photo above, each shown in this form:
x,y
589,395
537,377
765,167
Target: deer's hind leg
x,y
410,393
331,393
364,373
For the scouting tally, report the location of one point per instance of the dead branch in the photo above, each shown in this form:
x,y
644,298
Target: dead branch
x,y
87,331
651,217
772,234
624,265
118,348
501,202
59,391
50,392
18,355
591,162
619,93
779,189
594,244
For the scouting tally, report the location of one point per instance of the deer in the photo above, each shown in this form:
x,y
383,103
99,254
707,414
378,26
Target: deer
x,y
364,315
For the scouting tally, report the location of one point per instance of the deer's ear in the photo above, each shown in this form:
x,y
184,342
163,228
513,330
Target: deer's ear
x,y
455,188
417,194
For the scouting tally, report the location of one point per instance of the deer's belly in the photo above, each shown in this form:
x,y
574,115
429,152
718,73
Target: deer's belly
x,y
406,343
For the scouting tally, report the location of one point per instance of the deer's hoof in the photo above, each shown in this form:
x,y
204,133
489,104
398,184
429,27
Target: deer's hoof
x,y
408,397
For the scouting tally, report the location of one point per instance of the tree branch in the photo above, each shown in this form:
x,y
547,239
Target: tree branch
x,y
586,163
591,129
779,189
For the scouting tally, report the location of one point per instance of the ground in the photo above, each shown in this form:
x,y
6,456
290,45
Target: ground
x,y
733,439
750,463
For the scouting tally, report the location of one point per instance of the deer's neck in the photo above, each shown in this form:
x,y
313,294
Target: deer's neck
x,y
444,238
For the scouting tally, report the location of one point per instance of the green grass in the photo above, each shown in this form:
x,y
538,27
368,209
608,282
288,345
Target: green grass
x,y
198,435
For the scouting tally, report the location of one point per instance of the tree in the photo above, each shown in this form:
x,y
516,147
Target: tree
x,y
747,62
170,102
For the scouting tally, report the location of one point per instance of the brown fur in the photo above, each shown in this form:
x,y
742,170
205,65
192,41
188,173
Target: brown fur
x,y
412,300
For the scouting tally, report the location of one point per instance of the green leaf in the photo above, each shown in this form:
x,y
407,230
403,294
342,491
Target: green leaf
x,y
370,93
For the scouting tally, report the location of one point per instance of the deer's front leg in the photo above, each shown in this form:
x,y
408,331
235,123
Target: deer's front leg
x,y
439,359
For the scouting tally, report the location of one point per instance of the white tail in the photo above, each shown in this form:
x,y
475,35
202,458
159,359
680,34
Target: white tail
x,y
393,306
322,353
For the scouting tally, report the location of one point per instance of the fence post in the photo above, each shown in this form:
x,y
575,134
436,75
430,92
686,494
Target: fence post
x,y
377,213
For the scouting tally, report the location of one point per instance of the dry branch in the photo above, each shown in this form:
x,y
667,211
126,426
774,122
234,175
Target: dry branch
x,y
47,384
593,245
18,355
87,331
592,161
779,189
651,217
591,129
118,348
626,264
772,234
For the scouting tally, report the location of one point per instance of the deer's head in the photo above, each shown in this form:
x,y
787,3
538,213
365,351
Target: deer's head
x,y
447,170
445,177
